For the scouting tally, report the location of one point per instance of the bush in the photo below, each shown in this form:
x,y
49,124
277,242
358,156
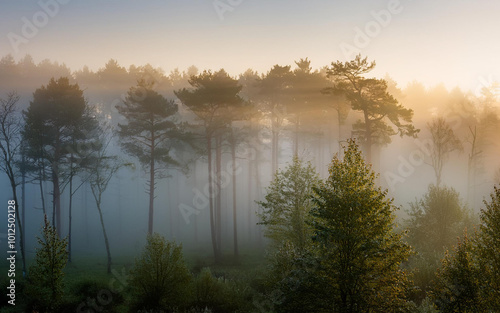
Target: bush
x,y
45,287
219,295
160,279
92,295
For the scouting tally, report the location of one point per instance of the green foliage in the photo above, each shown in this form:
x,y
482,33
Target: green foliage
x,y
160,279
458,286
93,295
45,287
488,250
287,205
219,295
360,254
435,222
427,306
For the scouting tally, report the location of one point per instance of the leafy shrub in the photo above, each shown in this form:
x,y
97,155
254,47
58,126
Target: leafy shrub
x,y
219,295
160,279
91,295
45,287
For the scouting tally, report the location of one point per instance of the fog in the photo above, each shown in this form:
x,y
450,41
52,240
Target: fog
x,y
247,133
404,164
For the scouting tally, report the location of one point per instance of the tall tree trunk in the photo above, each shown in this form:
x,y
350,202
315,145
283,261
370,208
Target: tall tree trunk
x,y
211,200
251,198
297,127
23,196
339,121
70,210
56,200
235,224
106,241
218,165
274,144
151,188
368,138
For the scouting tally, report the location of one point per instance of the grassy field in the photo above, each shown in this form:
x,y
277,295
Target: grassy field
x,y
88,284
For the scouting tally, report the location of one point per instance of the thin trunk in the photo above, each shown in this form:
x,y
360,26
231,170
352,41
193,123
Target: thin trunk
x,y
296,151
368,139
23,197
218,223
251,199
339,120
274,145
42,196
235,225
211,199
70,210
258,194
151,188
56,200
106,242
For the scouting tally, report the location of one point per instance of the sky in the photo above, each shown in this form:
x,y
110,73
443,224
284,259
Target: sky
x,y
454,42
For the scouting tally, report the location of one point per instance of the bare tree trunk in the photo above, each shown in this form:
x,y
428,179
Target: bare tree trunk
x,y
211,200
368,139
70,211
56,200
151,186
106,241
218,160
235,220
23,196
296,146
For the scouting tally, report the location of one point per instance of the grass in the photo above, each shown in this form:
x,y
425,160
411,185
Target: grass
x,y
86,277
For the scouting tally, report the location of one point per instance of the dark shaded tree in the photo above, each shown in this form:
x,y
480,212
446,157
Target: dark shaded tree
x,y
10,149
58,123
214,99
370,97
101,169
149,134
274,94
444,142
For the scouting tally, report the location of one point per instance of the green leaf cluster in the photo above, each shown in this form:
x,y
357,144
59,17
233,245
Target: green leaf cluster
x,y
160,279
46,285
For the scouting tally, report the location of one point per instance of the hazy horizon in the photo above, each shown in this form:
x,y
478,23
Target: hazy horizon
x,y
446,42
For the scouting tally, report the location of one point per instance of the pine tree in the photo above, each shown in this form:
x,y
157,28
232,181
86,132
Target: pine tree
x,y
360,253
58,125
149,134
488,250
458,287
370,97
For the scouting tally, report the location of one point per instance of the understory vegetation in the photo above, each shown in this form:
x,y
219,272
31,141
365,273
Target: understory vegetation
x,y
334,247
